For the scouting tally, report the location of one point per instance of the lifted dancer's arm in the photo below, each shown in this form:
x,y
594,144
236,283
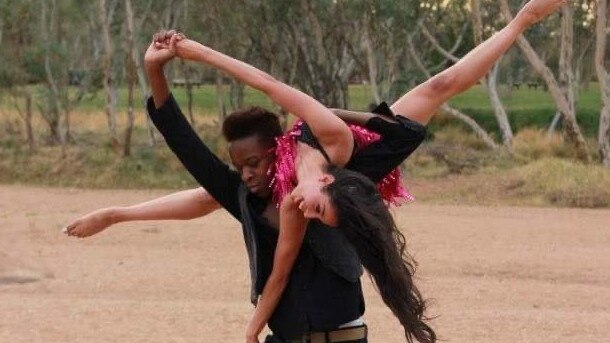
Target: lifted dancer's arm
x,y
188,204
420,103
332,133
292,232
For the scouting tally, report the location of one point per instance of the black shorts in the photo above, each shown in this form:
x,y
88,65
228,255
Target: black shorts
x,y
398,141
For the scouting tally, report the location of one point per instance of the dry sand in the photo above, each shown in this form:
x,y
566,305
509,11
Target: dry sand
x,y
500,274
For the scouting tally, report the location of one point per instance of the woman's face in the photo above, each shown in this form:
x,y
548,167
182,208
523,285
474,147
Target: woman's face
x,y
314,202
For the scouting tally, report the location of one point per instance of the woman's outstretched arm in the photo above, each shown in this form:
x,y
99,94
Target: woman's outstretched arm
x,y
188,204
330,131
420,103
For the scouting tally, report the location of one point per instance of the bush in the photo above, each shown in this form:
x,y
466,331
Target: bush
x,y
563,183
533,144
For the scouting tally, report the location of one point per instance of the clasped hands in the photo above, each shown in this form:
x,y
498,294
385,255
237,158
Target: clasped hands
x,y
162,49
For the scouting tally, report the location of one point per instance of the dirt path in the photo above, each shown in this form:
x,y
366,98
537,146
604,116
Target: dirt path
x,y
493,274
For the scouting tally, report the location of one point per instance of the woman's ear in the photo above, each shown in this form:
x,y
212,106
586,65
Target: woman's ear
x,y
326,179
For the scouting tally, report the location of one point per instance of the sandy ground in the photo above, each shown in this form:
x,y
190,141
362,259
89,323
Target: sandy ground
x,y
493,274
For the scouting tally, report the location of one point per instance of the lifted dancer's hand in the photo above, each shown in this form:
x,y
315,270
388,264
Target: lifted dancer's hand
x,y
162,49
536,10
91,223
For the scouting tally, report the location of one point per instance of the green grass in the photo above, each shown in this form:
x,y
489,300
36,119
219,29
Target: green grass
x,y
526,108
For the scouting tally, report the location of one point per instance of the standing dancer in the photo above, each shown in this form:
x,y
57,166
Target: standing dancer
x,y
324,295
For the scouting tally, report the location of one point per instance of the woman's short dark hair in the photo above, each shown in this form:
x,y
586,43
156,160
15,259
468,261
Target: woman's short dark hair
x,y
252,121
368,225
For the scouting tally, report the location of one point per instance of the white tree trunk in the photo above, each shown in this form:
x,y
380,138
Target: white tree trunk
x,y
500,112
371,60
604,82
572,130
131,76
492,80
566,56
474,126
142,81
58,124
109,86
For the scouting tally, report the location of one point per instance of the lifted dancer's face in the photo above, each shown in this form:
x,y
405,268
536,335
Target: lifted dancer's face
x,y
252,161
310,197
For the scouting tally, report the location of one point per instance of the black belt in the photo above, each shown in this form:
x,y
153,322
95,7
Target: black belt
x,y
341,335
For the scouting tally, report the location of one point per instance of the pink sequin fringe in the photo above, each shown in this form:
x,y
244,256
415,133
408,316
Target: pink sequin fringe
x,y
284,171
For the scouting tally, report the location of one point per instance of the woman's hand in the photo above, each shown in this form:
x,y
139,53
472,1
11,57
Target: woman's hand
x,y
162,49
536,10
91,223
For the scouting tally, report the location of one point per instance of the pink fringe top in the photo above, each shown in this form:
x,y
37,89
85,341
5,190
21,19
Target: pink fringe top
x,y
283,171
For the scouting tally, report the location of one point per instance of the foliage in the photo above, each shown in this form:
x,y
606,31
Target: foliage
x,y
563,183
55,50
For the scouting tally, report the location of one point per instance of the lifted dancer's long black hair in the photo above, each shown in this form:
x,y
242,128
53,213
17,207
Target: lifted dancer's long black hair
x,y
368,224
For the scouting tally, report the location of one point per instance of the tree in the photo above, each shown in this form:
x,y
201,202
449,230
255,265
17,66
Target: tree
x,y
563,96
601,33
106,13
450,111
130,66
445,56
491,82
14,77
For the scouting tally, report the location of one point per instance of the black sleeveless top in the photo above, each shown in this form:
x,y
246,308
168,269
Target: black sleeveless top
x,y
308,138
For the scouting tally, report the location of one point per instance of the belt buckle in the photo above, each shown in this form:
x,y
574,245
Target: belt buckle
x,y
309,338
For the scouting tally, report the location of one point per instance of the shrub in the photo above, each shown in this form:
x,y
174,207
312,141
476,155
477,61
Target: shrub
x,y
563,183
533,144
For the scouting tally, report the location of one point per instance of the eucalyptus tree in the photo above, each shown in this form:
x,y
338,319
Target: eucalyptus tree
x,y
14,77
106,17
601,34
433,52
58,55
562,89
477,12
383,27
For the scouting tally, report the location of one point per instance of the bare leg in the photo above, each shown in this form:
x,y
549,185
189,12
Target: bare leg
x,y
421,103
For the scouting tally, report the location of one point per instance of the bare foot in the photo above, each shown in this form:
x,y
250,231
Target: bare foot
x,y
536,10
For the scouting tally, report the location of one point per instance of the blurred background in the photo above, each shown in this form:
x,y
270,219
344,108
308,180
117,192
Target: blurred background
x,y
533,132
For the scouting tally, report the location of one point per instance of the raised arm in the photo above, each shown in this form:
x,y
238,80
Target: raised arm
x,y
211,172
188,204
289,243
330,131
420,103
155,60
